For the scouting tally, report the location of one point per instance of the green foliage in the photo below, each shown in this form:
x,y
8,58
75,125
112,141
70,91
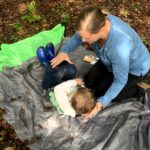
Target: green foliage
x,y
146,42
14,38
135,6
61,6
32,7
31,16
17,26
1,138
65,17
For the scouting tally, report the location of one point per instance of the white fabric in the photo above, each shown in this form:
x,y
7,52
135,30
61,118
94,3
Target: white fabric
x,y
62,92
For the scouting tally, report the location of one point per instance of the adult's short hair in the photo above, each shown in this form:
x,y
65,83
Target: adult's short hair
x,y
95,17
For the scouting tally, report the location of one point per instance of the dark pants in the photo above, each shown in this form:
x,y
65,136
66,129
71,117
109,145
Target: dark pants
x,y
60,73
99,79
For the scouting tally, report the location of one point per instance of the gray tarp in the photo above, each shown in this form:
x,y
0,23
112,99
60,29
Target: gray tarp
x,y
121,126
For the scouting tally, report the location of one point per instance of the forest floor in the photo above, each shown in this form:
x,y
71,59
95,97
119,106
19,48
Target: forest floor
x,y
20,19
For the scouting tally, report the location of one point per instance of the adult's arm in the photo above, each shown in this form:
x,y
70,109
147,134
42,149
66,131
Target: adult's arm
x,y
120,58
73,43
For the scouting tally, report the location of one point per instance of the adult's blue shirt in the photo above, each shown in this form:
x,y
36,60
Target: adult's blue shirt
x,y
122,53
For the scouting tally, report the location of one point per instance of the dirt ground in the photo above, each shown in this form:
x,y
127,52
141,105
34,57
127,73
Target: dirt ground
x,y
20,19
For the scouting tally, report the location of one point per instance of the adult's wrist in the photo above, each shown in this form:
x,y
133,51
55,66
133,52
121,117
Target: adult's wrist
x,y
99,106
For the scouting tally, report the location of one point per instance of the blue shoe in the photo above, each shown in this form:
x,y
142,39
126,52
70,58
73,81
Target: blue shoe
x,y
41,54
50,51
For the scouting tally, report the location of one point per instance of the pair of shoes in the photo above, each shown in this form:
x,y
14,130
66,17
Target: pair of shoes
x,y
46,54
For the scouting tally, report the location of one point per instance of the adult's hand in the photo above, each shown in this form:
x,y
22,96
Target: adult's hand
x,y
98,107
60,58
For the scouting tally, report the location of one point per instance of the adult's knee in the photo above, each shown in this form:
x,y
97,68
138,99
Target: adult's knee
x,y
89,81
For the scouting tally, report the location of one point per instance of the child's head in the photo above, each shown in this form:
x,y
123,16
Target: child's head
x,y
83,100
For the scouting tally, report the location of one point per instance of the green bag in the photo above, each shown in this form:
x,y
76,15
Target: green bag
x,y
14,54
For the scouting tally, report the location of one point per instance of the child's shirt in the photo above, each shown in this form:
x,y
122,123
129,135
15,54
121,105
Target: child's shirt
x,y
63,93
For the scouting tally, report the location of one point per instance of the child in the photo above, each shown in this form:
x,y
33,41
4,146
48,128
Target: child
x,y
56,75
71,98
74,99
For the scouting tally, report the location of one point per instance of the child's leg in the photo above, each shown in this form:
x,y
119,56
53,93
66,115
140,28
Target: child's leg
x,y
52,76
58,74
68,69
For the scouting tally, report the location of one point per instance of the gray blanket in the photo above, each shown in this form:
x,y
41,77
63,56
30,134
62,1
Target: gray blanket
x,y
121,126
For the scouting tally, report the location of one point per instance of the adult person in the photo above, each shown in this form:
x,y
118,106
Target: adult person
x,y
123,58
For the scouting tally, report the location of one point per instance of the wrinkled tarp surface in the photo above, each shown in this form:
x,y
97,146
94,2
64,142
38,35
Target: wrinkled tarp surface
x,y
121,126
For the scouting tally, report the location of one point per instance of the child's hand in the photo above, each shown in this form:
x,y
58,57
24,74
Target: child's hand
x,y
98,107
79,81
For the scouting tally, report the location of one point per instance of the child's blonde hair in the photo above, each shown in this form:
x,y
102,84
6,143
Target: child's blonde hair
x,y
83,100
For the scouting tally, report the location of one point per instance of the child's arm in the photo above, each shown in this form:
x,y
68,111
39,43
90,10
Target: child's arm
x,y
62,98
79,81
